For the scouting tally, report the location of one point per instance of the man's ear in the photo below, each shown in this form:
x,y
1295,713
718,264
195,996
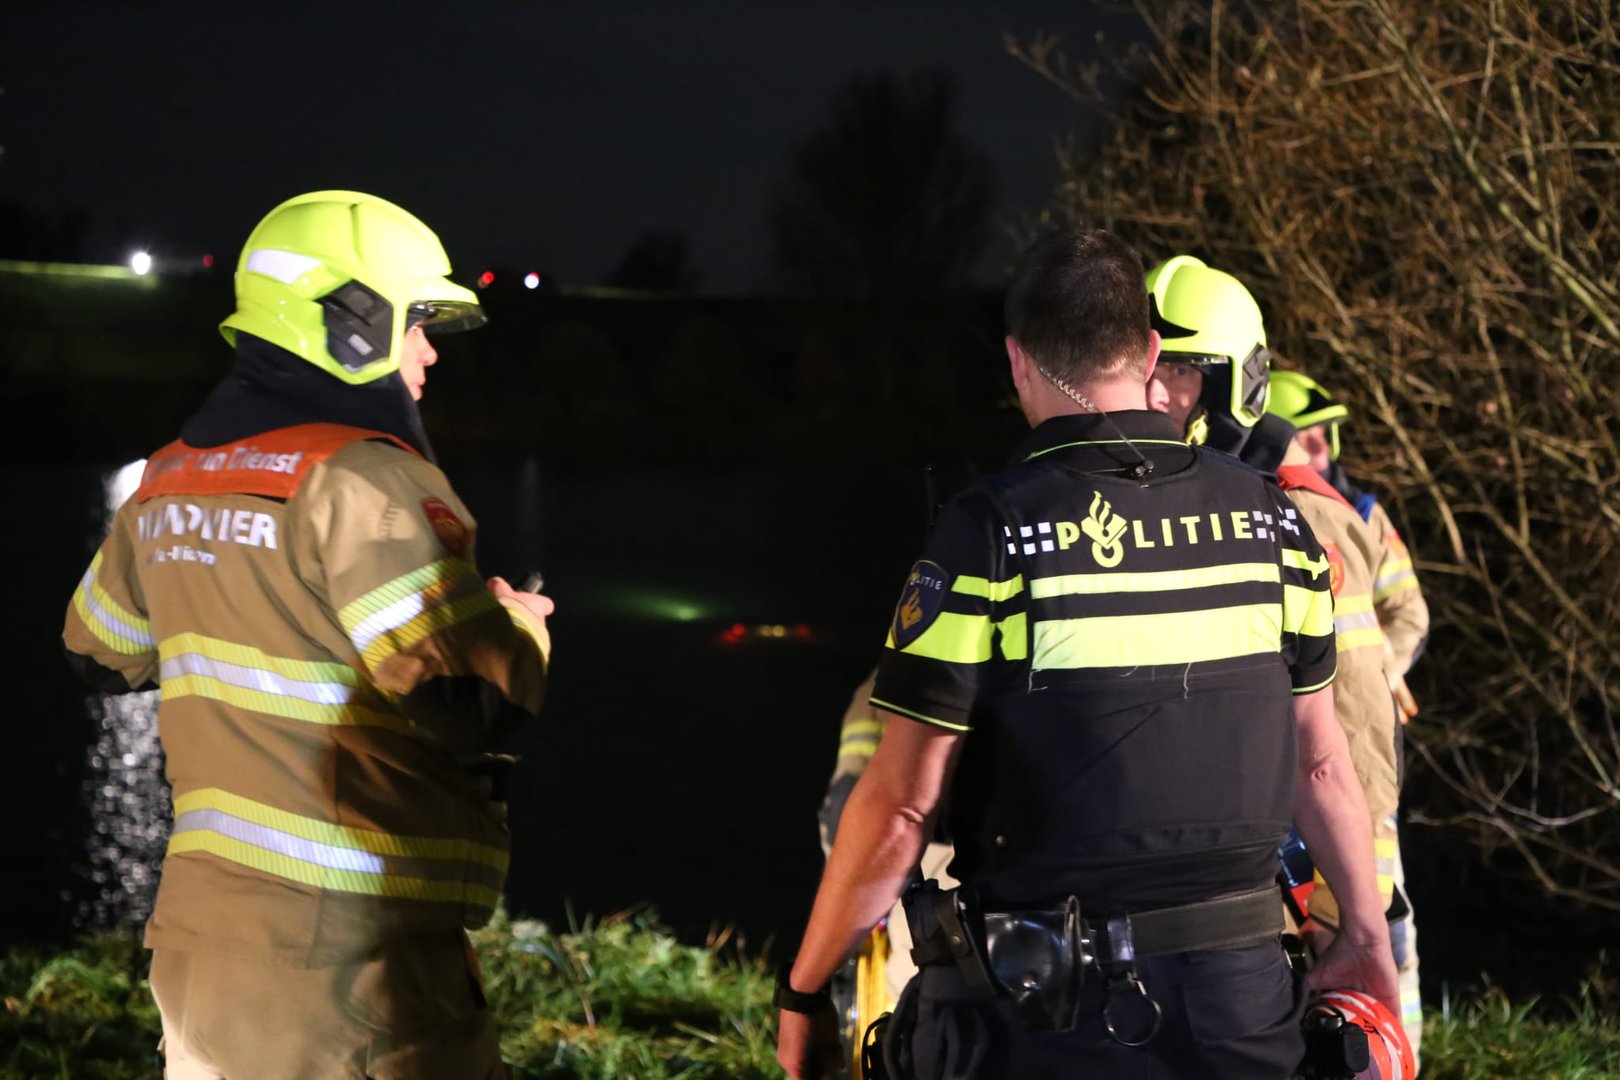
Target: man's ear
x,y
1018,360
1154,343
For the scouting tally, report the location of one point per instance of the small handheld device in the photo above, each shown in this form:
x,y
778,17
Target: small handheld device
x,y
533,582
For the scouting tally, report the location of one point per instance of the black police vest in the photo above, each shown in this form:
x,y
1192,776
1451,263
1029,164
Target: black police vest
x,y
1142,753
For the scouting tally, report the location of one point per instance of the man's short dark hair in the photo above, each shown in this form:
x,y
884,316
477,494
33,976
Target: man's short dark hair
x,y
1078,305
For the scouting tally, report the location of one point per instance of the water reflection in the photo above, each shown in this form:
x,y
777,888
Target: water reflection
x,y
124,788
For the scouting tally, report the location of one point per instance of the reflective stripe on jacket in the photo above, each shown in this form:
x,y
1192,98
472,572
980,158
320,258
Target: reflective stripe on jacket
x,y
332,671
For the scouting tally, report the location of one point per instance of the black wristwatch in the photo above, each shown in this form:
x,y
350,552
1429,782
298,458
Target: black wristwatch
x,y
797,1000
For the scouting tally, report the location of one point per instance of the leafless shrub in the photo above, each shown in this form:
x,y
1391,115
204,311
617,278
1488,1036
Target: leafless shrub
x,y
1426,200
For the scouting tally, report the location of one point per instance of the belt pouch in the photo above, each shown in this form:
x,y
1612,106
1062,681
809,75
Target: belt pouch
x,y
1037,958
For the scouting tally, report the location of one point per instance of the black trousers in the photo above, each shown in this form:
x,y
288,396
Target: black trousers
x,y
1233,1013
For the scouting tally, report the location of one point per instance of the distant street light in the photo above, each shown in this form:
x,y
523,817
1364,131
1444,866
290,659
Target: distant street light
x,y
531,280
141,263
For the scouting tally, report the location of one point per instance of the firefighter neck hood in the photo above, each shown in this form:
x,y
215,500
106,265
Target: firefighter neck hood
x,y
269,388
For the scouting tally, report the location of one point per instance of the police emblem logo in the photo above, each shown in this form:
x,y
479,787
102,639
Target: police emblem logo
x,y
920,602
446,525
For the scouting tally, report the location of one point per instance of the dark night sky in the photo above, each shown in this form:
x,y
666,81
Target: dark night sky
x,y
536,133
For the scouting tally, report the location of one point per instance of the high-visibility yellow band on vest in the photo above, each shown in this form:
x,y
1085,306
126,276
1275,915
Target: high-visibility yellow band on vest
x,y
116,627
954,638
1146,581
330,856
1307,611
968,585
1177,637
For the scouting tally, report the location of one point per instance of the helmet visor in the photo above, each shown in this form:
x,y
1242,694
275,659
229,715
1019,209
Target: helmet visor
x,y
446,316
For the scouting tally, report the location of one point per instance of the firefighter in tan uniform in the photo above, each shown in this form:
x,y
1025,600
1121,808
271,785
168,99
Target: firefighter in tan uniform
x,y
297,578
1402,615
1213,377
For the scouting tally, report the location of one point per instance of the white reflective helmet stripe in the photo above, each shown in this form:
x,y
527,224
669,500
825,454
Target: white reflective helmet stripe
x,y
285,266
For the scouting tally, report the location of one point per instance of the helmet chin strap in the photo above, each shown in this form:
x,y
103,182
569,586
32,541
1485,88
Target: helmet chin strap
x,y
1143,467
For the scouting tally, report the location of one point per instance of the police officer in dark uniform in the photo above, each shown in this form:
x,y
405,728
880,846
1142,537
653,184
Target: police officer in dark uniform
x,y
1118,653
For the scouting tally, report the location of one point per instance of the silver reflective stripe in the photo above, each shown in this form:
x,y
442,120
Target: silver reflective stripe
x,y
1360,620
1395,578
389,618
320,693
108,619
284,266
294,847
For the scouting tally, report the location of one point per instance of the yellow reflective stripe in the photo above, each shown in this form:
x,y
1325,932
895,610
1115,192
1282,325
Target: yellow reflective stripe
x,y
1298,690
106,635
1108,442
1307,611
1352,604
1386,888
1153,580
954,638
247,656
432,620
325,832
114,626
859,738
288,708
1175,637
1365,638
969,585
324,877
1386,847
437,573
1014,631
1298,560
1391,584
919,716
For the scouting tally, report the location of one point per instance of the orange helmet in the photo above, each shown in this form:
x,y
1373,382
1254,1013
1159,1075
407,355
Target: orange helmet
x,y
1390,1052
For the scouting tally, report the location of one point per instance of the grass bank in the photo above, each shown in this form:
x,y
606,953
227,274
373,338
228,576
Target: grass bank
x,y
621,999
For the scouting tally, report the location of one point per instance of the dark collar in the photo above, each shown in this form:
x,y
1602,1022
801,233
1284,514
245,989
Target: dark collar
x,y
1099,429
268,388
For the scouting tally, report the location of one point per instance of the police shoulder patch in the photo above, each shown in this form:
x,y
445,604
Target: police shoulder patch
x,y
920,602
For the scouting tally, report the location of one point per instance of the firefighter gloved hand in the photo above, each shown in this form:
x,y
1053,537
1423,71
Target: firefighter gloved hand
x,y
528,609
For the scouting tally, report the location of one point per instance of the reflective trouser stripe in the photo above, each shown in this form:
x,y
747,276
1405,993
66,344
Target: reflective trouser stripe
x,y
115,627
1177,637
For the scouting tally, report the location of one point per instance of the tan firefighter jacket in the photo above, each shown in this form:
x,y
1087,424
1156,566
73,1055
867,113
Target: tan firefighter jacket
x,y
1397,598
1361,698
332,668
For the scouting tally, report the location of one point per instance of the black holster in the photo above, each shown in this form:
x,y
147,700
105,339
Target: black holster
x,y
1034,959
